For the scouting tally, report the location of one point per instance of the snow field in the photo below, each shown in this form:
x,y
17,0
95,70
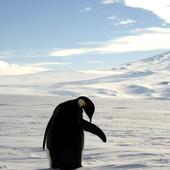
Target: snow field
x,y
138,133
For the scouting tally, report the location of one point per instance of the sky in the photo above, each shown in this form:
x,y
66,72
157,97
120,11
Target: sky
x,y
44,35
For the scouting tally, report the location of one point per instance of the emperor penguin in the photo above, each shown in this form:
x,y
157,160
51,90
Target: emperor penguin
x,y
64,134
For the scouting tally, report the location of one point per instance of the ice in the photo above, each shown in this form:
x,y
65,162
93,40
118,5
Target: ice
x,y
138,133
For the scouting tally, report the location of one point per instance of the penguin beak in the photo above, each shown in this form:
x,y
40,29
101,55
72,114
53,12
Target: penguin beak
x,y
89,110
87,105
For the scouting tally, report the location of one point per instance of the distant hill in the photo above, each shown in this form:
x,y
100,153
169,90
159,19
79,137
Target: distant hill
x,y
147,78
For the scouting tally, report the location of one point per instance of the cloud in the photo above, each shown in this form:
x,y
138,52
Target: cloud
x,y
106,2
90,43
154,38
126,21
23,53
160,8
86,9
151,30
50,63
95,62
4,54
119,21
14,69
145,40
112,18
69,52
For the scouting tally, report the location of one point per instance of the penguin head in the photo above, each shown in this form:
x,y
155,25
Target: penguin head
x,y
87,105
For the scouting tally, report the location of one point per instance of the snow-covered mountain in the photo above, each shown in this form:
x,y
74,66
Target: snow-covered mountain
x,y
147,78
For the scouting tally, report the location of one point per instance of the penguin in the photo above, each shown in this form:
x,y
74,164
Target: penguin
x,y
64,134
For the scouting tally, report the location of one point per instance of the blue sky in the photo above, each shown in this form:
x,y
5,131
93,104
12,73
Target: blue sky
x,y
42,35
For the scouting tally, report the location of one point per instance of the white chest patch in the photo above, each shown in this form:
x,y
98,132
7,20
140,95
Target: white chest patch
x,y
49,158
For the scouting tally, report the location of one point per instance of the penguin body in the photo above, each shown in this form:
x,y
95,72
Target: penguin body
x,y
64,135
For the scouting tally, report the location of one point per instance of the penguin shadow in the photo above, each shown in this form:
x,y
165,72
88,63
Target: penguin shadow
x,y
60,169
81,168
47,169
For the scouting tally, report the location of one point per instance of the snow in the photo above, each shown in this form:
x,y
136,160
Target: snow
x,y
147,78
138,133
132,107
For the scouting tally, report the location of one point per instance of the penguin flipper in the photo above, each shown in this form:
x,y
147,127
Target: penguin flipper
x,y
90,127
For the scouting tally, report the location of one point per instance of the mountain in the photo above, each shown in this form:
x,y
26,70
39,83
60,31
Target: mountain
x,y
146,78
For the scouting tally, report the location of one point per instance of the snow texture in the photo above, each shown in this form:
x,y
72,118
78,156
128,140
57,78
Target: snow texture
x,y
138,133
